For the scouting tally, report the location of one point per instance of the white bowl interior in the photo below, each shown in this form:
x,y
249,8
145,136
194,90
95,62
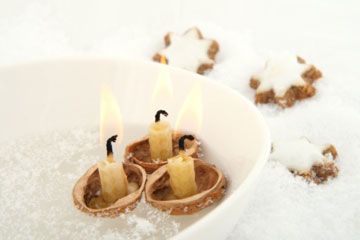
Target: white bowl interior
x,y
63,94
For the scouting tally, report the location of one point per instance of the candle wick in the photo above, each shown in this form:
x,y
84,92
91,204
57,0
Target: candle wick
x,y
109,149
159,113
182,141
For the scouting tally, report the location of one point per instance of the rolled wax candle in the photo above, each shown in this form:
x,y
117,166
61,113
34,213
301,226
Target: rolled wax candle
x,y
182,172
114,184
160,138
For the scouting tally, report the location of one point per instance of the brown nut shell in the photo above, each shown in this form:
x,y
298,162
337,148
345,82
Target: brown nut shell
x,y
88,186
139,152
210,181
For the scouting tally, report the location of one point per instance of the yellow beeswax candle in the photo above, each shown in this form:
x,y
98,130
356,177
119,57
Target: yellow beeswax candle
x,y
113,179
182,172
160,138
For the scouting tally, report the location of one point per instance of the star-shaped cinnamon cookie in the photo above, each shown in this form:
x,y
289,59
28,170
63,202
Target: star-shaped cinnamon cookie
x,y
313,162
189,51
285,79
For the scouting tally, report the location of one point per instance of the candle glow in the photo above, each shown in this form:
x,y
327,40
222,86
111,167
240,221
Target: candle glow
x,y
190,116
112,175
163,91
110,117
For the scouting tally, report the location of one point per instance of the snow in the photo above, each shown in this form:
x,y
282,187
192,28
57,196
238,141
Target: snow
x,y
38,204
324,33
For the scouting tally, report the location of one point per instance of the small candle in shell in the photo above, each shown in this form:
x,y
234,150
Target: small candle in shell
x,y
182,172
109,188
114,184
160,138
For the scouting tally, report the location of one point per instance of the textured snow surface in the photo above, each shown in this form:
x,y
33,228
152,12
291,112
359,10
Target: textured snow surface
x,y
324,33
37,177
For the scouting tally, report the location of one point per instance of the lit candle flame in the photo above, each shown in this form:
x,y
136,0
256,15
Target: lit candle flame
x,y
110,117
163,60
163,91
190,116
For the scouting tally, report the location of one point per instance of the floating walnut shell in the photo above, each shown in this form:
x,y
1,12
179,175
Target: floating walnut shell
x,y
139,152
89,186
210,182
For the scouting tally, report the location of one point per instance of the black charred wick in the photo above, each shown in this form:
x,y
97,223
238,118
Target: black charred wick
x,y
182,141
109,150
159,113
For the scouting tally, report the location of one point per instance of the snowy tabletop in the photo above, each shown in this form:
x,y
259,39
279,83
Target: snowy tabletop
x,y
325,33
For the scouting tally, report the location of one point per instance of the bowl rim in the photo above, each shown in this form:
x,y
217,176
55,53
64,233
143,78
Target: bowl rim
x,y
253,173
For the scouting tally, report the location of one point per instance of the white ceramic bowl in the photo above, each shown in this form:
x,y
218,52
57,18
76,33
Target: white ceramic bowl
x,y
61,94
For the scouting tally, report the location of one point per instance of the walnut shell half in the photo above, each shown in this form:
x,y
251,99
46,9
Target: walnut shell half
x,y
139,152
210,182
89,186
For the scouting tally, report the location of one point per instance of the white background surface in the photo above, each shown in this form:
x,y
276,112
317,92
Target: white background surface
x,y
325,33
